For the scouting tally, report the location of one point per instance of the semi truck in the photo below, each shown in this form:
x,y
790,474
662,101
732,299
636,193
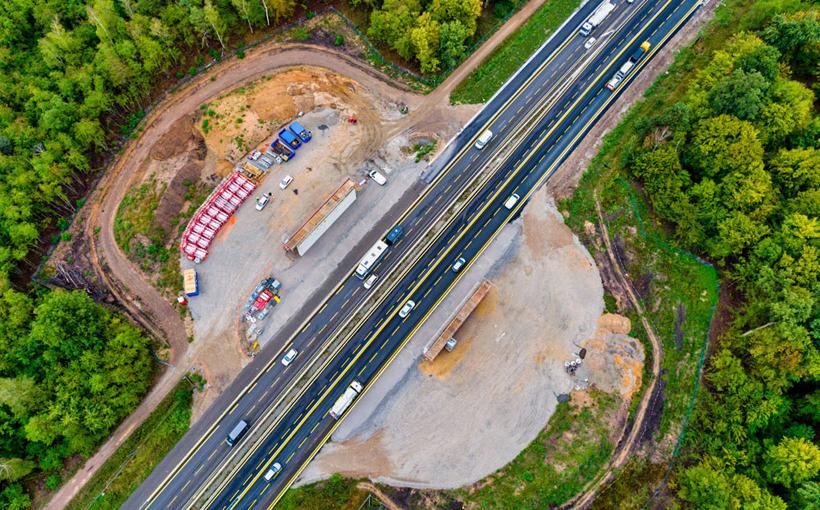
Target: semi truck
x,y
627,67
289,138
282,149
299,130
347,398
598,15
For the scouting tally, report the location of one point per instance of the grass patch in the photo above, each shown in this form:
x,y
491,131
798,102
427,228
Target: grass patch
x,y
335,493
488,77
135,217
566,455
422,150
114,482
148,245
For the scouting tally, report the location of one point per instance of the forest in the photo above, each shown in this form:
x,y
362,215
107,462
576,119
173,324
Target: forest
x,y
734,168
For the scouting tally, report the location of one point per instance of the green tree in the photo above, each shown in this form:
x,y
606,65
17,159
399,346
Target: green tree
x,y
792,461
740,94
797,36
452,36
724,144
425,40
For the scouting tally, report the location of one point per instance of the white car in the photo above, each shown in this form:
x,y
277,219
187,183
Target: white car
x,y
459,264
378,177
275,468
255,155
510,203
370,281
589,43
285,182
484,139
262,201
289,357
406,309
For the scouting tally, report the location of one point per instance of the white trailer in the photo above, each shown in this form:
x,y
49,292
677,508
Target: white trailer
x,y
345,400
600,13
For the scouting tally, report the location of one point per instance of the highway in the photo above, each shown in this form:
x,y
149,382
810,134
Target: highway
x,y
557,95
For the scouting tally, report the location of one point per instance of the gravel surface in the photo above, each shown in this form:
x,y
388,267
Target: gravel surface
x,y
451,422
250,247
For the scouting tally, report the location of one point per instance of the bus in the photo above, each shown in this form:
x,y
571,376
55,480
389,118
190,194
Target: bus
x,y
373,256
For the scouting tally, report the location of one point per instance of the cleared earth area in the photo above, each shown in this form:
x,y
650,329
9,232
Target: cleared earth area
x,y
450,422
355,129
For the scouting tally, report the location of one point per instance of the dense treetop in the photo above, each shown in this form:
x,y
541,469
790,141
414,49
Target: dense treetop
x,y
734,166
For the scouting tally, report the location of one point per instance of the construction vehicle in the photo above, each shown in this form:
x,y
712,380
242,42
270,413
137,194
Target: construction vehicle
x,y
282,149
627,67
290,139
345,400
299,130
190,282
598,15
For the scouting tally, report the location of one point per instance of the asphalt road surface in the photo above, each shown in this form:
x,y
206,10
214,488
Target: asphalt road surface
x,y
537,119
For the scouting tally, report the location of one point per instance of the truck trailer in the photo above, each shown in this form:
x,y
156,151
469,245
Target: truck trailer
x,y
289,138
282,149
599,15
190,282
345,400
299,130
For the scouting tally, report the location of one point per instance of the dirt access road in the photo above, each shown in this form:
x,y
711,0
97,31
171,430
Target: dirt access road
x,y
125,280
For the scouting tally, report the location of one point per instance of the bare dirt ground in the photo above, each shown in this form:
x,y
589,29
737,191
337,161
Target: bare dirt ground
x,y
453,421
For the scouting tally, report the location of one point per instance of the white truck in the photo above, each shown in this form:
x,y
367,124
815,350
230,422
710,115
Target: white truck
x,y
345,400
598,15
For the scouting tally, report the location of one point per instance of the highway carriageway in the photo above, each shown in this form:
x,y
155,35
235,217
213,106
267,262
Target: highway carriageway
x,y
307,426
189,464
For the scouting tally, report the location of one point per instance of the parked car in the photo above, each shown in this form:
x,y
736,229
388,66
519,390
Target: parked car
x,y
255,155
262,201
285,182
378,177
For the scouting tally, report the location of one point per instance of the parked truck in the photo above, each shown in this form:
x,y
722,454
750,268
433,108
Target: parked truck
x,y
282,149
299,130
345,400
598,15
289,138
627,67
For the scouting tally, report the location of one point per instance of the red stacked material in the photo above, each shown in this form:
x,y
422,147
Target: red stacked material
x,y
212,214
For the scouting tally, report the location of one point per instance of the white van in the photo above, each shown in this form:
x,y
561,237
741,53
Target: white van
x,y
510,203
485,137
